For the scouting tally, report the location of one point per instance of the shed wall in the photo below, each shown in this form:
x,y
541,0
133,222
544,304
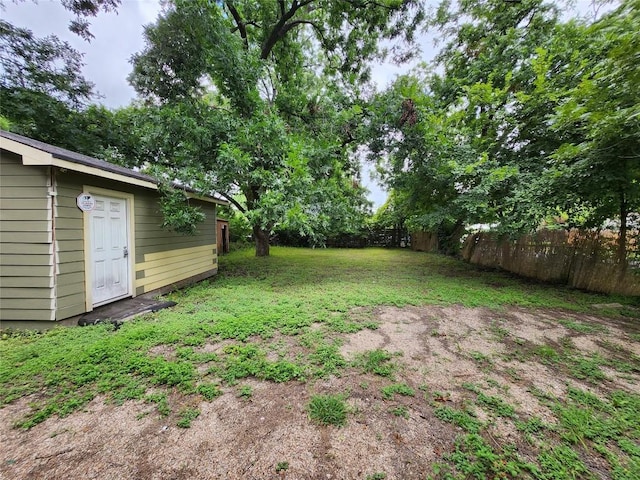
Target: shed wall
x,y
70,275
161,257
27,291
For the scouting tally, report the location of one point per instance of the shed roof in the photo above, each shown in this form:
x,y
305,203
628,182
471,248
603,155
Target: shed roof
x,y
35,152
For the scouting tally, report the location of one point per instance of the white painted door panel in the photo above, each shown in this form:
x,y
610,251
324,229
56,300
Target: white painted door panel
x,y
109,249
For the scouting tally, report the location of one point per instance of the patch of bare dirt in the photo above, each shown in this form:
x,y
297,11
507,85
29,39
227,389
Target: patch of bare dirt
x,y
443,354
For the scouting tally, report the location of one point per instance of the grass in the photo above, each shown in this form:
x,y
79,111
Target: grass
x,y
283,319
397,388
328,410
377,362
187,416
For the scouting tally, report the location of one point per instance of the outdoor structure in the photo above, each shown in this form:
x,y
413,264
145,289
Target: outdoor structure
x,y
77,233
223,236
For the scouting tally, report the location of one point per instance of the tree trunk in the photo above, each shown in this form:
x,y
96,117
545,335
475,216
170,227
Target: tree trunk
x,y
262,241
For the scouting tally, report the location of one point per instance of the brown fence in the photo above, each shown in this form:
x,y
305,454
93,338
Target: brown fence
x,y
424,241
585,260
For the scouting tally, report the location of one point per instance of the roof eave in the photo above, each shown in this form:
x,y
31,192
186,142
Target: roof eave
x,y
35,156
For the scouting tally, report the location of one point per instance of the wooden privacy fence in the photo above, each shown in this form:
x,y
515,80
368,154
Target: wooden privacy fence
x,y
585,260
424,241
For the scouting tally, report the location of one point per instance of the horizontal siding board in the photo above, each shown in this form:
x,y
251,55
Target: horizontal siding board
x,y
26,237
29,282
25,259
73,234
70,267
70,245
69,278
9,271
70,289
33,303
67,202
68,188
7,314
70,311
9,158
66,223
25,226
148,211
187,257
68,212
151,227
161,235
41,203
25,249
29,215
175,274
24,181
176,252
66,301
163,283
26,292
22,192
71,256
151,245
170,266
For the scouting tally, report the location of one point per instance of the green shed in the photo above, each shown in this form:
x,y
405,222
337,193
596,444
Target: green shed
x,y
77,232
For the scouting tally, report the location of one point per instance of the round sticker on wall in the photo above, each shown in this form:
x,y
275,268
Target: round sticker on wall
x,y
85,202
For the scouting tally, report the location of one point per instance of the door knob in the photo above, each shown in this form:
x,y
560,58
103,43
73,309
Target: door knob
x,y
125,252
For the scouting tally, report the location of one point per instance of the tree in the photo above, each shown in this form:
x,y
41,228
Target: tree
x,y
424,158
278,127
603,108
43,65
42,92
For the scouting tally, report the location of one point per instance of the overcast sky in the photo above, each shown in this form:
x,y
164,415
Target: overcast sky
x,y
117,36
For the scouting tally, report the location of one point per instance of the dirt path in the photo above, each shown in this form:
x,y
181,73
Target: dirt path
x,y
443,353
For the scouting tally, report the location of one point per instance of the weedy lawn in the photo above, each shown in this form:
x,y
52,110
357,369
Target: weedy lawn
x,y
350,363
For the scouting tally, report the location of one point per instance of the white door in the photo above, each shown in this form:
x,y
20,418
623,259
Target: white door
x,y
109,249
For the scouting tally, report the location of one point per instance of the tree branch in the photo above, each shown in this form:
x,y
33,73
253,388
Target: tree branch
x,y
295,23
240,25
277,32
234,202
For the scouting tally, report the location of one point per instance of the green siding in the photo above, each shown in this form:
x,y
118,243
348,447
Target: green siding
x,y
149,236
26,263
42,271
70,281
152,238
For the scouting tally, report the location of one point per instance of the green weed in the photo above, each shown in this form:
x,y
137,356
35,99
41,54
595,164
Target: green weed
x,y
327,360
209,391
588,368
242,361
483,361
582,327
377,476
474,458
187,416
547,354
496,405
562,463
532,426
397,388
462,418
400,411
160,399
328,410
586,419
377,362
245,391
282,467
